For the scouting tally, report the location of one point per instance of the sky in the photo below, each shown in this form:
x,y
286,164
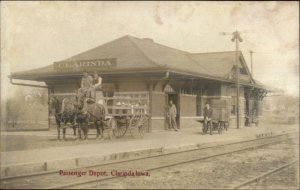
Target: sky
x,y
36,34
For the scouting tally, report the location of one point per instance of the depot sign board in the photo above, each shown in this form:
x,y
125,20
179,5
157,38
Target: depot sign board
x,y
86,65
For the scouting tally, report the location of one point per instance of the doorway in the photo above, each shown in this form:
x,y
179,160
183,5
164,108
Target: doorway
x,y
175,99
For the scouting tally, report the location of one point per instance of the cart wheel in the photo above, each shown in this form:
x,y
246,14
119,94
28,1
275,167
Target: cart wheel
x,y
141,130
143,125
133,125
210,128
138,125
118,129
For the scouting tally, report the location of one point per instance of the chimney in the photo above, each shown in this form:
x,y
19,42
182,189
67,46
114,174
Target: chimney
x,y
148,40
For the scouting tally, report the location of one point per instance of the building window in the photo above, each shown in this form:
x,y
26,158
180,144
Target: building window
x,y
243,71
233,109
232,93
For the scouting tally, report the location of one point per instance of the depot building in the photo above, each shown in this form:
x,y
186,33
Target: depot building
x,y
131,64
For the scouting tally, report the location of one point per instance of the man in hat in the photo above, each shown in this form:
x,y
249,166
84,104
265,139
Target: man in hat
x,y
172,116
85,91
207,113
86,84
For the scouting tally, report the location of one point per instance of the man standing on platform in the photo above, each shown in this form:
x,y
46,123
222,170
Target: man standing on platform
x,y
172,116
207,113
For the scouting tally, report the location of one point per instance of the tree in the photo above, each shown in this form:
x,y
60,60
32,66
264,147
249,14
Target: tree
x,y
27,105
14,110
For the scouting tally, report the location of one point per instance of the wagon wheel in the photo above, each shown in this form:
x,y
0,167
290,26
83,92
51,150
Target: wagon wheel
x,y
133,125
142,125
137,125
119,130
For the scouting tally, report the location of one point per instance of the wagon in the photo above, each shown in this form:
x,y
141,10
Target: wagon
x,y
251,118
220,117
127,111
215,125
252,115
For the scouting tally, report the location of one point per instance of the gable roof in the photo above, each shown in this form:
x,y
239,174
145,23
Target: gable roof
x,y
220,63
134,53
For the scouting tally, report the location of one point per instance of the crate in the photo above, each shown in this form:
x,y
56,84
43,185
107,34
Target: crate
x,y
220,114
219,103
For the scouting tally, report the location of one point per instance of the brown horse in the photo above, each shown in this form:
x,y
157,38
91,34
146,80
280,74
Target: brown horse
x,y
64,114
89,112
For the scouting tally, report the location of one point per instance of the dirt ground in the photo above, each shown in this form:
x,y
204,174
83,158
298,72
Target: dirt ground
x,y
285,179
221,173
12,142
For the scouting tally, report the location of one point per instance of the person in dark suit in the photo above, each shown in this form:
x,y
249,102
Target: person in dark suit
x,y
207,113
86,84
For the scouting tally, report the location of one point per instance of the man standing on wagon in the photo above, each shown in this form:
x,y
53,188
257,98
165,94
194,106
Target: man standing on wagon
x,y
97,91
97,86
172,116
86,84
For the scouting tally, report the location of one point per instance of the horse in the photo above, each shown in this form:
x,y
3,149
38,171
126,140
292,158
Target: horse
x,y
64,113
89,112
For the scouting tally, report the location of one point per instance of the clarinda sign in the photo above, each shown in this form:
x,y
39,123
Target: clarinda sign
x,y
86,65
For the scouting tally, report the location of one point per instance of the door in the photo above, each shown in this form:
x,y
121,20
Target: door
x,y
199,107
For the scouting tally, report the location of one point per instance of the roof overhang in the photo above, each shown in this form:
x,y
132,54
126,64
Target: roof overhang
x,y
129,73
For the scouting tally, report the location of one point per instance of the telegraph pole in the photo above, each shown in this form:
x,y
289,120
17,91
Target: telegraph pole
x,y
237,38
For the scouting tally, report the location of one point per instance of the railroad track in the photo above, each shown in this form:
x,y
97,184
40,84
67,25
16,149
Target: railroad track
x,y
264,175
156,162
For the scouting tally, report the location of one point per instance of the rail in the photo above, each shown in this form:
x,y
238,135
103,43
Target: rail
x,y
161,160
264,175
